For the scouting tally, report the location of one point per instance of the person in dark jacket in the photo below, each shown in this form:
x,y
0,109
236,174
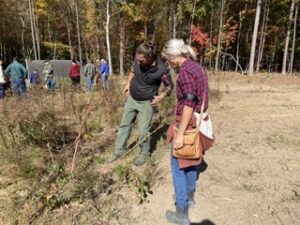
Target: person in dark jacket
x,y
145,78
74,73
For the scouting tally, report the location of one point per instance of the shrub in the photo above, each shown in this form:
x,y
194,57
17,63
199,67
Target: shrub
x,y
43,130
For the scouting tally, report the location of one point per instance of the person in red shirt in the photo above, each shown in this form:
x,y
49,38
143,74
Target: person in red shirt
x,y
74,73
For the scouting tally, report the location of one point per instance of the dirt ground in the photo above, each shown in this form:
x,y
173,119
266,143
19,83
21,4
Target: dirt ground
x,y
252,174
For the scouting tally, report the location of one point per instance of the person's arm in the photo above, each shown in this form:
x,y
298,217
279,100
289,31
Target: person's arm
x,y
168,87
185,119
24,71
130,77
70,71
85,70
187,84
7,71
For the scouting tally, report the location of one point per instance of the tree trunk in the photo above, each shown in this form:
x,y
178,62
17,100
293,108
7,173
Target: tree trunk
x,y
69,36
97,45
273,55
294,41
36,29
192,21
211,36
237,55
1,37
287,40
32,29
22,35
107,37
174,19
263,35
254,37
145,30
49,30
86,53
219,36
78,32
122,44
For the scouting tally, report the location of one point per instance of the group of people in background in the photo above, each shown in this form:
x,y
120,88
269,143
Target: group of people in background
x,y
142,89
16,74
96,73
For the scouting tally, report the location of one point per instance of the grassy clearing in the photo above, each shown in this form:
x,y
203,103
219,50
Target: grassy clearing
x,y
37,137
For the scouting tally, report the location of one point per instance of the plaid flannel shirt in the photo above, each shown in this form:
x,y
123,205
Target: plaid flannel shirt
x,y
193,80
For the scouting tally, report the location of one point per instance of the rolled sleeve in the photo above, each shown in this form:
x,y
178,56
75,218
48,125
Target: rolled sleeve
x,y
187,85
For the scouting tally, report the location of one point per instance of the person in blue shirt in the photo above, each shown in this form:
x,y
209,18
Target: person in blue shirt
x,y
17,73
34,78
104,74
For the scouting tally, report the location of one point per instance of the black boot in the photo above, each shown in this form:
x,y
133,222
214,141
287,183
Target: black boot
x,y
180,216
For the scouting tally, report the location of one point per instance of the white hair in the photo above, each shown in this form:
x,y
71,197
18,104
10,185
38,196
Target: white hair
x,y
177,47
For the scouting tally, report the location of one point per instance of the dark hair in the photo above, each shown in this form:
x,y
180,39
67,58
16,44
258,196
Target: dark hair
x,y
16,59
74,60
147,50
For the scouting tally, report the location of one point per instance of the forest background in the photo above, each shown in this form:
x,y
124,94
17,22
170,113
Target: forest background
x,y
59,175
228,34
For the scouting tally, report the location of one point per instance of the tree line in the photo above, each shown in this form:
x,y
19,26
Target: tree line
x,y
248,35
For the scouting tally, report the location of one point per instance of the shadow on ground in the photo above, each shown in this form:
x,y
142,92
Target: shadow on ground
x,y
157,136
204,222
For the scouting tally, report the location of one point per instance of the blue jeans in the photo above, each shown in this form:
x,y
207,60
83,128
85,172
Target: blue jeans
x,y
104,80
184,182
89,83
2,91
18,86
50,84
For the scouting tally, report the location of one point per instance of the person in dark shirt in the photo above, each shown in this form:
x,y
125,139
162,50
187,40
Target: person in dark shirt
x,y
144,80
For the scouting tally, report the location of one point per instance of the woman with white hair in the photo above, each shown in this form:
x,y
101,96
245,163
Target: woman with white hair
x,y
191,91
